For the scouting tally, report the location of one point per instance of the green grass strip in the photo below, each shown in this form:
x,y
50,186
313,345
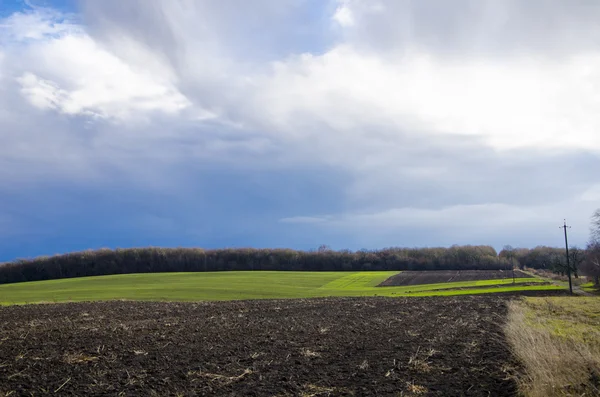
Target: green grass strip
x,y
238,285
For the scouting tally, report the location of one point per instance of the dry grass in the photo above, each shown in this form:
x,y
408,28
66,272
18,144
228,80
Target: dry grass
x,y
309,353
78,358
555,276
415,390
315,390
420,359
558,341
221,378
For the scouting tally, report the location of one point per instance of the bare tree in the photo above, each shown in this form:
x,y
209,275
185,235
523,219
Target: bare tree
x,y
595,228
558,264
324,248
508,252
591,265
576,258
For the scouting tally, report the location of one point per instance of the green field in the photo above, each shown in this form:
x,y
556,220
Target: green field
x,y
239,285
590,288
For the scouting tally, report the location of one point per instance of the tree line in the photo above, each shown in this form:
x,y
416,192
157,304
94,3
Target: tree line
x,y
584,261
155,260
543,257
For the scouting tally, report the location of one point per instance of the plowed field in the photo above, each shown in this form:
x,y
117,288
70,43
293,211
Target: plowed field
x,y
446,276
448,346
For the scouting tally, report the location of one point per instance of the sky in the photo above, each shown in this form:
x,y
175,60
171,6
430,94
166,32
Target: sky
x,y
296,123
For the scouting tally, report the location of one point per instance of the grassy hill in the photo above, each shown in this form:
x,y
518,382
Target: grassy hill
x,y
242,285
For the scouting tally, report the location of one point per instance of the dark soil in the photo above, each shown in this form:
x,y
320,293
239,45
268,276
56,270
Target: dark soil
x,y
444,276
439,346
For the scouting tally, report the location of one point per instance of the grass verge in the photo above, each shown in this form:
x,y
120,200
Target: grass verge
x,y
558,341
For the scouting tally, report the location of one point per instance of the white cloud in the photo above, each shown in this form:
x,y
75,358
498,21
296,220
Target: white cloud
x,y
42,94
88,80
39,23
343,15
63,69
508,103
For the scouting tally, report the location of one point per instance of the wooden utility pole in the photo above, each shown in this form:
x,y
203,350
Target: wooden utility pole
x,y
567,250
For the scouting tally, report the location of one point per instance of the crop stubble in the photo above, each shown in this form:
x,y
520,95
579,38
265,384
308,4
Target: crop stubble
x,y
342,346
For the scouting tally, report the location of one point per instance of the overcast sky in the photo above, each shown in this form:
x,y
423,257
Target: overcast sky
x,y
295,123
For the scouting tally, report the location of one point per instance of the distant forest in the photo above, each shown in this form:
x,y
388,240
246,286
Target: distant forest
x,y
541,257
150,260
156,260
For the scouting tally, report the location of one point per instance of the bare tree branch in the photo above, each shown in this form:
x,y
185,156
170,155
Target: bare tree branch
x,y
595,227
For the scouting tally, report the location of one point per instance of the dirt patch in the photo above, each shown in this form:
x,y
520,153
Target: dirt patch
x,y
446,276
320,347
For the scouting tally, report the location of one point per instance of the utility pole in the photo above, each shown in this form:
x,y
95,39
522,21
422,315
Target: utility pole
x,y
513,271
567,250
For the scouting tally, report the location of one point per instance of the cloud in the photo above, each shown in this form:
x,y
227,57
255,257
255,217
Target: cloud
x,y
493,224
36,24
508,104
343,15
421,113
92,105
495,29
75,76
592,194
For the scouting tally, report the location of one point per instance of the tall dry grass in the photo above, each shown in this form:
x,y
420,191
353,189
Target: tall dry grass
x,y
563,364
